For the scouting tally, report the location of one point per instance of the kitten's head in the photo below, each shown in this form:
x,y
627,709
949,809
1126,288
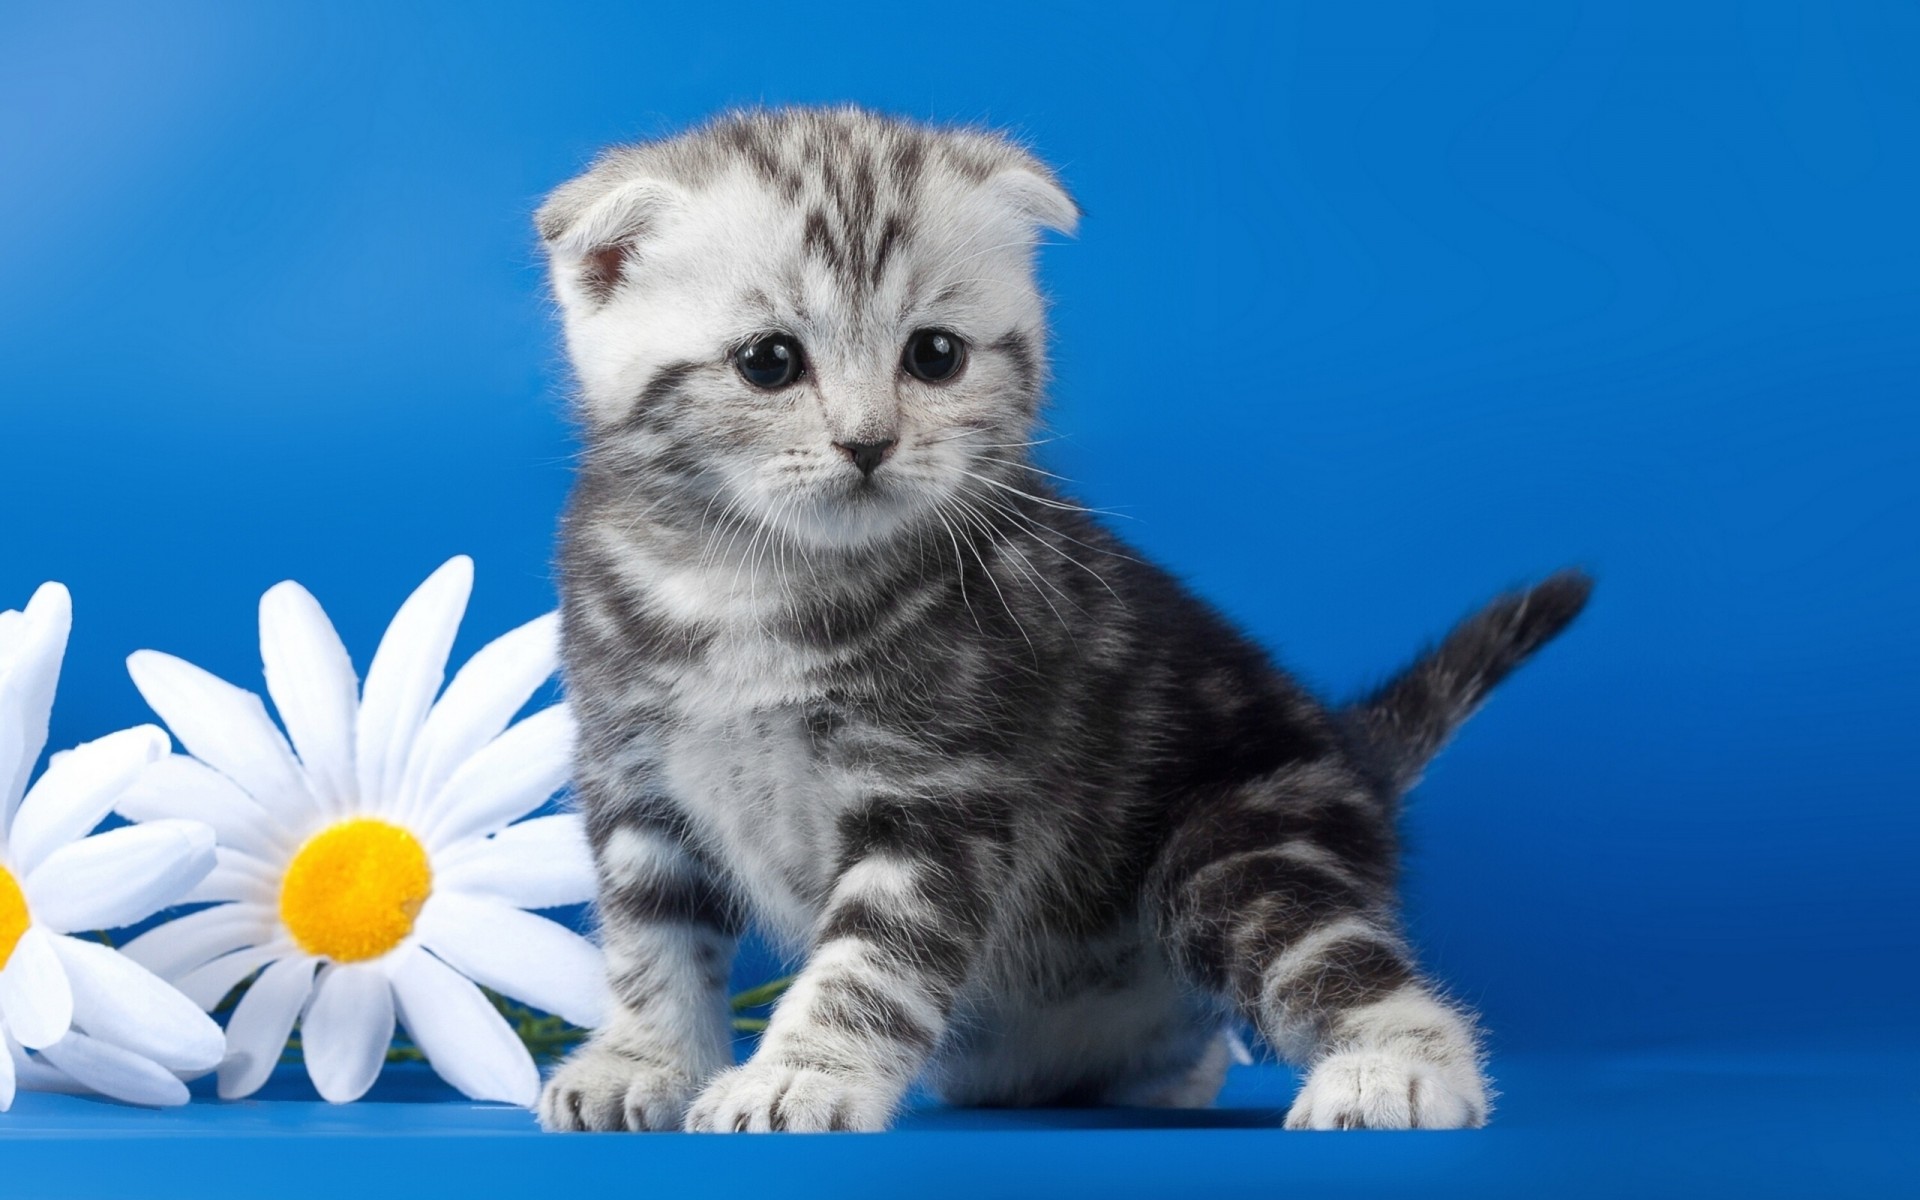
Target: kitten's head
x,y
825,320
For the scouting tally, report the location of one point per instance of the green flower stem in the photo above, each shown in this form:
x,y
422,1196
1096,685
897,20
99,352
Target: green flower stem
x,y
766,993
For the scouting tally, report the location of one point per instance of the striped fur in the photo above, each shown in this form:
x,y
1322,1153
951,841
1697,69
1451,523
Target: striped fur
x,y
1039,821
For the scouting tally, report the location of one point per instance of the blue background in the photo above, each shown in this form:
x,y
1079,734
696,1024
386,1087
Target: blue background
x,y
1376,308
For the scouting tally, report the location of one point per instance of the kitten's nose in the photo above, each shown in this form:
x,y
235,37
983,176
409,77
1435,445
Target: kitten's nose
x,y
866,455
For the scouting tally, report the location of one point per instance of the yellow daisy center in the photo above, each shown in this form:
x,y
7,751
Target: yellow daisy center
x,y
13,915
353,890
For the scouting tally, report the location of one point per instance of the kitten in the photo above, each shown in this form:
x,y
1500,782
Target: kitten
x,y
847,666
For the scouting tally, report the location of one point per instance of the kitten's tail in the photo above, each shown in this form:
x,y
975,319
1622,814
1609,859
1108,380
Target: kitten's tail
x,y
1407,721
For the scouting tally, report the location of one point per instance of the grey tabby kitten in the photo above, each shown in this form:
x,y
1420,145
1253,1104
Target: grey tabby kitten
x,y
847,666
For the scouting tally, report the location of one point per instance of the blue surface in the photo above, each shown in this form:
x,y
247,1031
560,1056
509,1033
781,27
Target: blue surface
x,y
1377,307
1695,1124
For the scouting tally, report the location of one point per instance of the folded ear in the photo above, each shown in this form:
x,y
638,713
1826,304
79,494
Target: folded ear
x,y
1036,196
594,226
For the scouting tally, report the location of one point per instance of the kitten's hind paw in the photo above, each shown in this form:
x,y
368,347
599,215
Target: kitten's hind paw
x,y
601,1090
772,1097
1372,1089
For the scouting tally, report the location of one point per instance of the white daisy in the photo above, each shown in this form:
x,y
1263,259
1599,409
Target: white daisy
x,y
93,1019
370,872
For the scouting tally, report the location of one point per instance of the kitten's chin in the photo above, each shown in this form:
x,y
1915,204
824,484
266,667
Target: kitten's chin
x,y
854,520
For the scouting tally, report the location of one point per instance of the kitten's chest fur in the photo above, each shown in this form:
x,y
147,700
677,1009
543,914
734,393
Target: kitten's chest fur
x,y
751,781
746,754
770,705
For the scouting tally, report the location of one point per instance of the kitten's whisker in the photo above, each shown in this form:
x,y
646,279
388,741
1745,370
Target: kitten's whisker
x,y
969,431
976,430
719,526
1019,465
960,567
740,515
711,501
1023,527
1025,566
1014,445
1036,523
1028,524
789,519
1064,505
965,513
771,528
747,556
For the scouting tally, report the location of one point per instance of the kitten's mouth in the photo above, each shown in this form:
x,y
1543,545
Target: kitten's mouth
x,y
851,512
863,489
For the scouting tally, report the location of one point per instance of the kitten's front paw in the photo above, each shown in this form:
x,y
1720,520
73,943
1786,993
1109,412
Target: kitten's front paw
x,y
1369,1089
770,1097
601,1090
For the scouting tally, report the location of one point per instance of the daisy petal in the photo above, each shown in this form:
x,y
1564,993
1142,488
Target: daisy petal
x,y
12,625
518,954
494,684
36,1001
178,786
257,1032
542,863
208,984
180,945
114,1072
78,789
227,728
119,877
6,1052
311,680
123,1004
511,776
347,1030
38,1075
235,876
405,675
28,676
464,1037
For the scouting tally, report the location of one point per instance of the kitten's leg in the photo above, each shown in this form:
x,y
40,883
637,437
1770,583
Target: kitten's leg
x,y
904,925
1278,895
669,933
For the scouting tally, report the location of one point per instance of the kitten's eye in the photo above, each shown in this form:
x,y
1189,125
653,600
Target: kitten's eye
x,y
771,362
934,355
